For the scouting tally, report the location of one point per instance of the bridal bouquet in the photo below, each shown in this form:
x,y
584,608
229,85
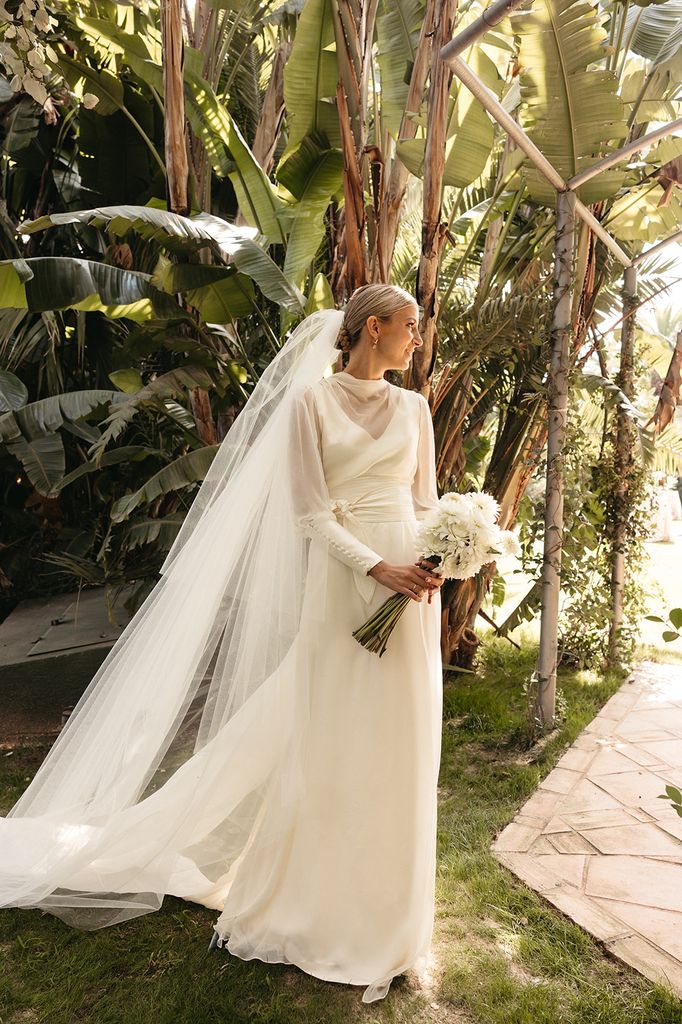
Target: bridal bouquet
x,y
458,537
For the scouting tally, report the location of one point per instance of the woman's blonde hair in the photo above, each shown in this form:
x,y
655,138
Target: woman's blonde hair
x,y
379,300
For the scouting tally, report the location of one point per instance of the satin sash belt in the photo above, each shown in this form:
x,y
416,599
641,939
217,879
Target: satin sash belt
x,y
365,500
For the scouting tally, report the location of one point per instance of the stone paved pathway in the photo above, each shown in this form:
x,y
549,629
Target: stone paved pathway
x,y
596,841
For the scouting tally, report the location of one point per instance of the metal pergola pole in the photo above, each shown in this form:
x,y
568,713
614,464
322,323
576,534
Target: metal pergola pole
x,y
492,15
568,207
621,154
488,100
545,672
663,244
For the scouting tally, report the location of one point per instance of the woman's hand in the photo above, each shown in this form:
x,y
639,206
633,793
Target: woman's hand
x,y
407,579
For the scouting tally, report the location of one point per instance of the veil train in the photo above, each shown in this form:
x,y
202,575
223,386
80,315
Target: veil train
x,y
197,716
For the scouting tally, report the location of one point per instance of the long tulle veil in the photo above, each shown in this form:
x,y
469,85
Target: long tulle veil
x,y
196,718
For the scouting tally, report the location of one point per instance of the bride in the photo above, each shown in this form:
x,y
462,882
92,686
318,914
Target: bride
x,y
237,747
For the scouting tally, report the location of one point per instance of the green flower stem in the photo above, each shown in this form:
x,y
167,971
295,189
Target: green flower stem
x,y
374,633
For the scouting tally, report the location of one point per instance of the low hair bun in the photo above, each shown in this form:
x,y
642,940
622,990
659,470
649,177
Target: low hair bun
x,y
343,340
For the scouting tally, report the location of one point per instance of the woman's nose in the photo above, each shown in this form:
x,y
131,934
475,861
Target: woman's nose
x,y
418,340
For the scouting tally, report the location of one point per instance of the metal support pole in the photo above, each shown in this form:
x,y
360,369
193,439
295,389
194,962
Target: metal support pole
x,y
621,154
488,100
654,249
545,672
492,15
622,463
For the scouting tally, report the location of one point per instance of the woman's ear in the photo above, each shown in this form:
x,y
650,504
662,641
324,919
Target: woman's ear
x,y
372,324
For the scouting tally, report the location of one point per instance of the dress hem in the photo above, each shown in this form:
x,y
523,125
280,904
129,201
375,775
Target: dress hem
x,y
323,973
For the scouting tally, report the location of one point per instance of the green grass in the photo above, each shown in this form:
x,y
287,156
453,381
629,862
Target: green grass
x,y
501,954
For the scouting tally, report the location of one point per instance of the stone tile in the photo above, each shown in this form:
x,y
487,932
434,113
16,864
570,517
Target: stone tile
x,y
577,760
540,805
609,762
596,841
673,826
531,820
597,920
660,810
667,751
560,780
659,926
631,789
516,838
642,839
529,870
600,819
586,742
637,754
556,825
571,842
569,867
667,719
541,847
673,775
649,961
650,883
634,733
586,796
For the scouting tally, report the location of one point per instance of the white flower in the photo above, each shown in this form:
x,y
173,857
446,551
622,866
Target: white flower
x,y
509,543
462,530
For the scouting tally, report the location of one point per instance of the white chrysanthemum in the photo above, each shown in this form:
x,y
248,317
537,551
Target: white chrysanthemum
x,y
509,543
462,530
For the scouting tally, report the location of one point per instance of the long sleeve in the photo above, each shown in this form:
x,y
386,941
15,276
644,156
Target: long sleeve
x,y
311,501
424,487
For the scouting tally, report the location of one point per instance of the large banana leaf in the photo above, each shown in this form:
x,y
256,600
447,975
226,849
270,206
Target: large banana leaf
x,y
227,150
187,234
312,174
186,470
572,111
168,385
219,293
636,216
109,90
47,415
214,125
61,282
43,460
30,433
398,26
310,78
126,453
13,392
655,32
469,137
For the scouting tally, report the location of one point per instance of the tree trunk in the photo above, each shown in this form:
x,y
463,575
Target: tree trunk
x,y
433,235
177,168
517,451
622,462
272,112
353,32
545,673
388,218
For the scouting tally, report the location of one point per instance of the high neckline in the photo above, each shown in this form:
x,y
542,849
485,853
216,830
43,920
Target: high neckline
x,y
363,382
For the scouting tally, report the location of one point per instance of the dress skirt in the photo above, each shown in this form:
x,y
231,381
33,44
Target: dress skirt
x,y
350,895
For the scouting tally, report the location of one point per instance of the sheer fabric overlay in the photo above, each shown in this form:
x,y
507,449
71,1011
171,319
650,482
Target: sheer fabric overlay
x,y
190,742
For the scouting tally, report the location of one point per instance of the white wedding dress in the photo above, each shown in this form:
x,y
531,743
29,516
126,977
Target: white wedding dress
x,y
305,811
352,896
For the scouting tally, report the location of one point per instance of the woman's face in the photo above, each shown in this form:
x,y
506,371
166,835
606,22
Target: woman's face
x,y
397,338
